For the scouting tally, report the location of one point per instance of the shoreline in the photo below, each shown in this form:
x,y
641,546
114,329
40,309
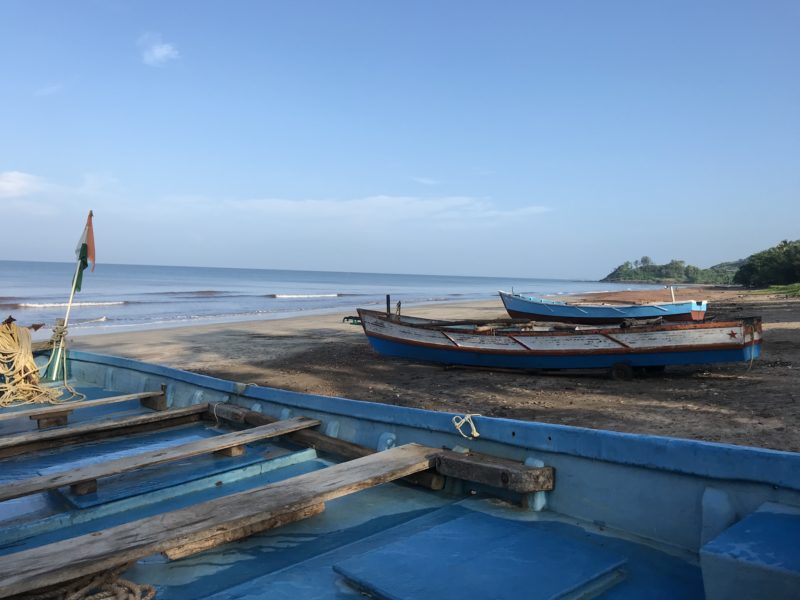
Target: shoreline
x,y
319,354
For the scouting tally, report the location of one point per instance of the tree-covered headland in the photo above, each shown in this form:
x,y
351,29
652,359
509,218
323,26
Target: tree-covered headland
x,y
780,265
777,266
675,271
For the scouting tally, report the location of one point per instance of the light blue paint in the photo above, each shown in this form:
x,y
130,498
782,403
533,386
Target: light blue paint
x,y
689,457
633,496
88,514
588,462
480,556
757,557
718,513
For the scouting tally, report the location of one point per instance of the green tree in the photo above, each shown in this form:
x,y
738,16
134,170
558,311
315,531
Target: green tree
x,y
779,265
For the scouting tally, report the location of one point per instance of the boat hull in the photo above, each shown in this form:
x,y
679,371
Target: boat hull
x,y
520,307
627,515
646,346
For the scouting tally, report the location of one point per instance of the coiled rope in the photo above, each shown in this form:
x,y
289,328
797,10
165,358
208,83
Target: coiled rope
x,y
19,375
100,587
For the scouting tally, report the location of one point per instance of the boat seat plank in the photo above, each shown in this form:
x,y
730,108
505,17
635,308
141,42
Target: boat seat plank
x,y
496,472
319,441
64,408
84,479
96,552
13,445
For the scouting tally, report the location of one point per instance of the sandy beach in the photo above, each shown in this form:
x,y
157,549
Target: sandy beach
x,y
732,403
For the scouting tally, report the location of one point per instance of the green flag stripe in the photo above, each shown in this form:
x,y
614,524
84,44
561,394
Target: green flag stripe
x,y
84,263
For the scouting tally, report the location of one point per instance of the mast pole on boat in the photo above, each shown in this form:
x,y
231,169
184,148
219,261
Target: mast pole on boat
x,y
55,365
84,253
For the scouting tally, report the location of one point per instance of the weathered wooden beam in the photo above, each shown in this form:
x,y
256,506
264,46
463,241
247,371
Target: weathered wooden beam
x,y
44,411
23,443
318,441
66,560
84,479
54,419
496,472
157,402
84,487
201,544
233,451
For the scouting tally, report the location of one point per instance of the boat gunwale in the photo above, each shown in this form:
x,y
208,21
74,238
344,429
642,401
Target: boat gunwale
x,y
560,329
677,455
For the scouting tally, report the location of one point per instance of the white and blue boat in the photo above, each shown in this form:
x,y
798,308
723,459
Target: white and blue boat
x,y
194,487
542,309
533,345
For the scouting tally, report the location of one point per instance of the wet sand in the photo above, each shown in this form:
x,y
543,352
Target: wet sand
x,y
732,403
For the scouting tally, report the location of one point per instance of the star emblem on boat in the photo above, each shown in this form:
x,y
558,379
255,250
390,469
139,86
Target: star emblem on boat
x,y
732,334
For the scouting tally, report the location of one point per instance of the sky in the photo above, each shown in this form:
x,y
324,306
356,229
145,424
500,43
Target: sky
x,y
527,139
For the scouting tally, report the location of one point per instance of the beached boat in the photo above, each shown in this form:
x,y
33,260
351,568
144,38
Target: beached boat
x,y
531,345
531,307
204,488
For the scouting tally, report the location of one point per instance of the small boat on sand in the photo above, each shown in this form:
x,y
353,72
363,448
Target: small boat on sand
x,y
542,309
518,344
186,486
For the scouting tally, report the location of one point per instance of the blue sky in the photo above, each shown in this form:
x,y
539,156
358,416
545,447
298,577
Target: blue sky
x,y
478,138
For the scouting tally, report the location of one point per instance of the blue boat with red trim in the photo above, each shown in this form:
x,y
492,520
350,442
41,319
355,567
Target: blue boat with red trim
x,y
520,344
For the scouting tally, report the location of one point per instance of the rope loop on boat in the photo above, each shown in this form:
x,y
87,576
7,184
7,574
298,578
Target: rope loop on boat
x,y
19,375
752,330
459,422
100,586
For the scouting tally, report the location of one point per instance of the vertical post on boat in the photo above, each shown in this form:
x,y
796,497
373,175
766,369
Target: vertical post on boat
x,y
388,305
672,291
55,365
85,254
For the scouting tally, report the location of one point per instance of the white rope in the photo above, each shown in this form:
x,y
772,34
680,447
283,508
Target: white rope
x,y
460,421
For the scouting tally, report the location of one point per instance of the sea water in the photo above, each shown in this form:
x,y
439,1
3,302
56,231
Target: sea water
x,y
129,297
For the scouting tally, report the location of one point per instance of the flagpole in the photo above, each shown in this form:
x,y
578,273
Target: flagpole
x,y
85,253
57,362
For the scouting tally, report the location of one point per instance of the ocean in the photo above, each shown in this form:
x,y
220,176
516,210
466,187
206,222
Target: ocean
x,y
132,297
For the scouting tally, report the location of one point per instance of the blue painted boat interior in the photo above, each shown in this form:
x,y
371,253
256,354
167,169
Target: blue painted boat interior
x,y
631,516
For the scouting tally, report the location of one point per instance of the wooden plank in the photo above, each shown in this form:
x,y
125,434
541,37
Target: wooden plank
x,y
234,451
496,472
70,406
157,402
84,479
30,441
96,552
318,441
206,543
53,420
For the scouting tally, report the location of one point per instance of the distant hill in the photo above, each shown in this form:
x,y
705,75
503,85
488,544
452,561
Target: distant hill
x,y
675,271
779,265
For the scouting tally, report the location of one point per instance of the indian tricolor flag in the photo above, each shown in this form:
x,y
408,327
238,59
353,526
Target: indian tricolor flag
x,y
84,251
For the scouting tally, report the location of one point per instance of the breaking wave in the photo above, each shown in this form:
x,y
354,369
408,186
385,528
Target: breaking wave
x,y
64,304
301,296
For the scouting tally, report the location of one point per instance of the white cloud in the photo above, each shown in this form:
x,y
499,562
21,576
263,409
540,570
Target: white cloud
x,y
156,52
48,90
16,184
426,180
451,212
